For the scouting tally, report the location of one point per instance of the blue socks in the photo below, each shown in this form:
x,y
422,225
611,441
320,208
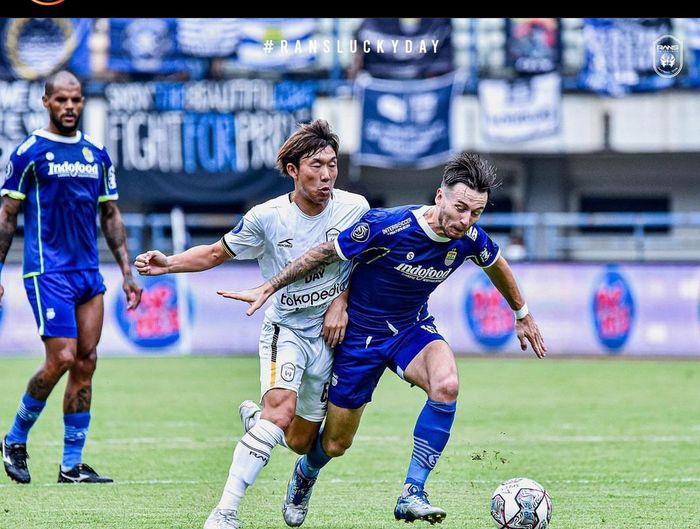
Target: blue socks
x,y
27,413
312,463
429,439
76,427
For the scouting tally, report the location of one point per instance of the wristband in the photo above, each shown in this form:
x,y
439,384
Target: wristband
x,y
521,312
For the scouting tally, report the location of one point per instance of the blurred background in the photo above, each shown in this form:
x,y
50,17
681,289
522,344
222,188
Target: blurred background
x,y
592,123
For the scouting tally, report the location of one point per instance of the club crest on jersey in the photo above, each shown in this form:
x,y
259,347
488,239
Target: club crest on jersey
x,y
87,153
287,371
361,232
450,257
332,234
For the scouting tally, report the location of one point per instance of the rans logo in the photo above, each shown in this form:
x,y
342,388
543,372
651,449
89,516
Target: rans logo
x,y
668,56
73,169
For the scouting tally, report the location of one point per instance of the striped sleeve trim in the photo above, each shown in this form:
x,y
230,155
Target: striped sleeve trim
x,y
13,194
228,250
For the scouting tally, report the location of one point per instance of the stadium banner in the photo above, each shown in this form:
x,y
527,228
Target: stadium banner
x,y
520,109
619,55
406,123
692,41
32,48
282,44
533,45
406,48
208,37
206,142
582,309
21,112
144,45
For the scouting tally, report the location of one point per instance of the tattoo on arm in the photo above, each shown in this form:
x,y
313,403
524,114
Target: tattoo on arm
x,y
8,225
321,255
115,234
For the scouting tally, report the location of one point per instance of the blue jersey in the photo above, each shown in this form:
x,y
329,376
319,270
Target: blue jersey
x,y
398,261
61,179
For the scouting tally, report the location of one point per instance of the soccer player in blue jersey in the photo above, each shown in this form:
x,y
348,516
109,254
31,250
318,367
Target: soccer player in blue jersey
x,y
400,256
63,177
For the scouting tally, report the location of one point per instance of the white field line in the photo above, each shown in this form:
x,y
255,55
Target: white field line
x,y
692,479
189,442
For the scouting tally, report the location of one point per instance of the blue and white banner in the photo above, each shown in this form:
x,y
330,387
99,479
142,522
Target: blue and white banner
x,y
21,111
533,45
32,48
406,123
144,45
277,43
692,41
406,48
207,142
208,37
619,55
520,110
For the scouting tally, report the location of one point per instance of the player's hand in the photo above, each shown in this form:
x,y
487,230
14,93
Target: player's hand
x,y
2,291
133,292
255,296
151,263
527,331
335,321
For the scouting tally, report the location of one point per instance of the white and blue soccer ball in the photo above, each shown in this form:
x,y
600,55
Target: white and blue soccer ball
x,y
521,503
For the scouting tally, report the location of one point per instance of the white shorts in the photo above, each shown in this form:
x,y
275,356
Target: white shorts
x,y
304,365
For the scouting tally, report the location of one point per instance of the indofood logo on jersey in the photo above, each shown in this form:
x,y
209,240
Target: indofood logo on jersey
x,y
419,273
613,309
489,317
154,323
88,170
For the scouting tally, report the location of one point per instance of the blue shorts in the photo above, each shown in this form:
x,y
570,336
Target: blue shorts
x,y
54,297
360,360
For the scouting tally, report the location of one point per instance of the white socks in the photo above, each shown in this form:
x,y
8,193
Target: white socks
x,y
254,420
249,457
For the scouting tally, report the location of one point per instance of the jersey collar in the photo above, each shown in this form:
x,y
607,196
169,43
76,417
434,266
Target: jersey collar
x,y
418,213
57,137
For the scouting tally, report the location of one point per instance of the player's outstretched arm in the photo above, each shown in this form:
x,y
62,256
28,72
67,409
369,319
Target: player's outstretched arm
x,y
195,259
115,233
526,328
8,226
321,255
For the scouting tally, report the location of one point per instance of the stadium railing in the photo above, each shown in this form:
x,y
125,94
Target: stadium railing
x,y
545,236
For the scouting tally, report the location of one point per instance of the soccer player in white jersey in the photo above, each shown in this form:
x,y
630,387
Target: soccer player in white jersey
x,y
400,256
305,320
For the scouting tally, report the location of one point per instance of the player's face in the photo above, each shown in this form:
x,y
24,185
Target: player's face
x,y
458,207
65,104
316,176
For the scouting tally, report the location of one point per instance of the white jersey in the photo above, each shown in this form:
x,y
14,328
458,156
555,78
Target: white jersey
x,y
277,232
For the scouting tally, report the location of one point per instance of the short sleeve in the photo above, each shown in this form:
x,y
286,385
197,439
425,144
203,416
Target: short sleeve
x,y
360,236
108,182
247,239
486,252
19,171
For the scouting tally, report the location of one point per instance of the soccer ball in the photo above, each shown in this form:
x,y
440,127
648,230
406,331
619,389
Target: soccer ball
x,y
521,503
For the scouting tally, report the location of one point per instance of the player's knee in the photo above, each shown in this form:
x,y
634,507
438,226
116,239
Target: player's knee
x,y
61,361
86,364
336,447
446,389
280,416
300,444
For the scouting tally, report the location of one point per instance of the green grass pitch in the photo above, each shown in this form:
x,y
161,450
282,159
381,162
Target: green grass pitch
x,y
616,442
